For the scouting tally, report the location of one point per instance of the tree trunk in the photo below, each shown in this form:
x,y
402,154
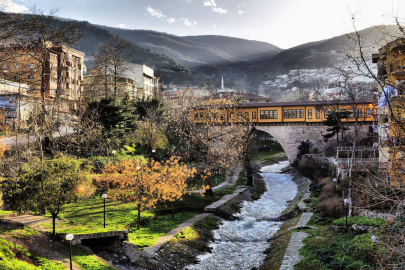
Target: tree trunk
x,y
248,169
138,226
53,224
208,188
172,210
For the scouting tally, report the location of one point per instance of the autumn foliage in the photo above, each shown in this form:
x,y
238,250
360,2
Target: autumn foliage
x,y
146,183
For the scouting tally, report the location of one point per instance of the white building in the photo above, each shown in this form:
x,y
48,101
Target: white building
x,y
147,83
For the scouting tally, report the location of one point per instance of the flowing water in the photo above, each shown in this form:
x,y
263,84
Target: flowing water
x,y
240,244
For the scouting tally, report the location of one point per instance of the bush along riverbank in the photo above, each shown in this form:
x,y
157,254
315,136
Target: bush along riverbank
x,y
291,215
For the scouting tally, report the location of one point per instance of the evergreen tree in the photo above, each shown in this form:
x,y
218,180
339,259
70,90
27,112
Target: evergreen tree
x,y
334,121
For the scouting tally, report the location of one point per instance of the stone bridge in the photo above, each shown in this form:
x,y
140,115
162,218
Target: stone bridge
x,y
290,136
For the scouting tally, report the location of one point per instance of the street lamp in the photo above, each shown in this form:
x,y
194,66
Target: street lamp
x,y
113,152
374,240
346,202
69,237
334,183
104,196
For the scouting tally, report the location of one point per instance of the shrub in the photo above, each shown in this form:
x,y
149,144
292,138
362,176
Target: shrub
x,y
359,220
331,207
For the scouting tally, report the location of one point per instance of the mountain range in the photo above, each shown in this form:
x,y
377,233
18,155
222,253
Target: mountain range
x,y
243,63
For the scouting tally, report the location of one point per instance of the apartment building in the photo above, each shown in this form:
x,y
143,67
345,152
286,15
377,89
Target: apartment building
x,y
148,85
59,73
391,119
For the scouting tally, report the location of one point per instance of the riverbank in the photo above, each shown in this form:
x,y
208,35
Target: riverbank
x,y
290,217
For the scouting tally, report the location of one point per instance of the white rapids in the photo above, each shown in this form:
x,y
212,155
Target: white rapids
x,y
240,244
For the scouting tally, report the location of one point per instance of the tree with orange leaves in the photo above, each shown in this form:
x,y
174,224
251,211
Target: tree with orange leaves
x,y
145,183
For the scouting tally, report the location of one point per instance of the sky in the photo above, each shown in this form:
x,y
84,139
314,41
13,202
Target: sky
x,y
284,23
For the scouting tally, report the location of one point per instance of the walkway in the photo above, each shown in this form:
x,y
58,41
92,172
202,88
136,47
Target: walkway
x,y
230,180
292,255
31,221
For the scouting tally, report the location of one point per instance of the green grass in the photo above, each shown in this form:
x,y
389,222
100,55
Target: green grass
x,y
364,221
18,232
87,261
87,217
266,156
9,260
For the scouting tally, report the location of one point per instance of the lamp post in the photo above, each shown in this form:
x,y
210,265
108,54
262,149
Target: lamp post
x,y
69,237
374,240
113,152
346,202
334,184
104,196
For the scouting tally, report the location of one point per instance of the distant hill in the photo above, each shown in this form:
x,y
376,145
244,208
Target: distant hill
x,y
243,49
195,51
95,36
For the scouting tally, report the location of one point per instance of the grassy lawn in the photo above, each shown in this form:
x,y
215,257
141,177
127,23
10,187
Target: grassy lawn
x,y
267,156
87,217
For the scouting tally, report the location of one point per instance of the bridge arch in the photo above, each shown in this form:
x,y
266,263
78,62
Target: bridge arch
x,y
290,136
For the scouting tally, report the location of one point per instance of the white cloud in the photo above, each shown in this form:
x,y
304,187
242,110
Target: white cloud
x,y
215,26
210,3
10,6
219,10
241,12
188,1
188,22
171,20
155,12
122,25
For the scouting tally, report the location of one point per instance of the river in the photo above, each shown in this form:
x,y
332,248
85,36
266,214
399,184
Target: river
x,y
240,244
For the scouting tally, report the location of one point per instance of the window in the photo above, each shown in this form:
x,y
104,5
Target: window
x,y
31,54
375,112
207,116
294,115
289,114
232,115
246,115
285,114
309,114
318,114
253,115
16,78
360,113
271,114
31,66
262,115
196,116
15,66
215,116
201,115
368,112
30,77
275,115
302,113
239,116
266,114
222,116
325,113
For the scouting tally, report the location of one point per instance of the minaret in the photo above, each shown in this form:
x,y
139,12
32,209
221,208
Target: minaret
x,y
222,83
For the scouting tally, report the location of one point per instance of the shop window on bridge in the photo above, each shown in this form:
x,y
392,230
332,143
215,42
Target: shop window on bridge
x,y
239,116
254,115
375,112
294,114
232,115
285,114
318,114
246,115
271,114
325,114
309,114
302,113
222,116
196,116
368,111
215,116
201,116
289,114
360,113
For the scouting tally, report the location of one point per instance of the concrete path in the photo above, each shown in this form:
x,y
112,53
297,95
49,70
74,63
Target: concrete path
x,y
170,235
292,256
30,221
211,208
